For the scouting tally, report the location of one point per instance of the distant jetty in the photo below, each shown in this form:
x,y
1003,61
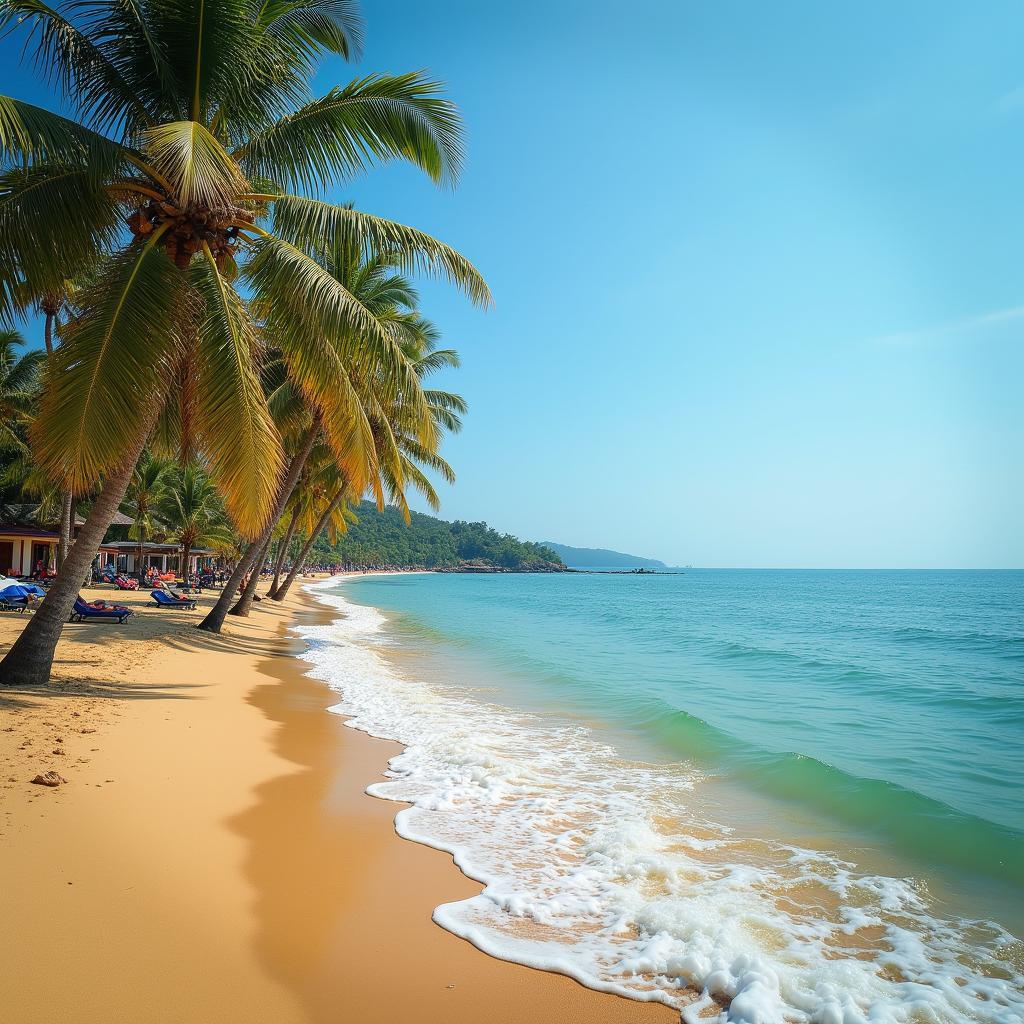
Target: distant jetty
x,y
631,572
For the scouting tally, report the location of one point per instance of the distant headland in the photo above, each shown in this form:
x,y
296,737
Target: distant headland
x,y
603,558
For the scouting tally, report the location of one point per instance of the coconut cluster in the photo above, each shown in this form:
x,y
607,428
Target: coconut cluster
x,y
189,229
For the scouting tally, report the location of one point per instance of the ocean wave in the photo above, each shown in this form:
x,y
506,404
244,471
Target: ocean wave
x,y
601,869
914,822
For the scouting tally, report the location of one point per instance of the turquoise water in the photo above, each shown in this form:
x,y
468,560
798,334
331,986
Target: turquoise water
x,y
877,714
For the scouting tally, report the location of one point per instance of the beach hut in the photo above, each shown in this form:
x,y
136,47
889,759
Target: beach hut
x,y
28,543
24,546
124,555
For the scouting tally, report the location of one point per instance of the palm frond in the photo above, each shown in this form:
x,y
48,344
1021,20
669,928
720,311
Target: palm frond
x,y
378,118
446,400
113,364
320,376
428,458
416,479
19,372
125,31
54,221
234,426
204,43
305,298
287,407
166,438
446,414
439,359
308,27
30,134
311,224
198,168
67,57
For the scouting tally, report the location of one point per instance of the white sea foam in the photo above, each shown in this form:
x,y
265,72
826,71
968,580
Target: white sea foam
x,y
599,868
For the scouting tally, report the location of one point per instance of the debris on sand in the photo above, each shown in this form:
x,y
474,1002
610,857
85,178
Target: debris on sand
x,y
50,778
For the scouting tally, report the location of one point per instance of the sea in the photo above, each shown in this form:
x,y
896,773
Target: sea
x,y
753,795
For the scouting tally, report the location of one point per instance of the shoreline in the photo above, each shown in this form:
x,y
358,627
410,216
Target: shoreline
x,y
214,855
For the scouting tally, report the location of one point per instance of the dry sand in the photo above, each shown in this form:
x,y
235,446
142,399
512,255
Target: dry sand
x,y
213,857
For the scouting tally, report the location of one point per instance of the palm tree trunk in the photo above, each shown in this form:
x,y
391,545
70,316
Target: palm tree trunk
x,y
286,543
48,334
248,595
66,531
214,620
30,658
300,562
186,550
142,548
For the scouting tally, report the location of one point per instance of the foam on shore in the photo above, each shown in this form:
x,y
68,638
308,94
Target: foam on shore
x,y
601,869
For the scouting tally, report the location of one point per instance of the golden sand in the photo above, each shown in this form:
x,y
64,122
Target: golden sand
x,y
213,857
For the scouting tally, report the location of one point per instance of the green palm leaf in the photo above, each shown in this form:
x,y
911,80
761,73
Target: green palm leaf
x,y
68,57
428,458
451,407
305,298
125,31
311,224
114,362
378,118
19,389
29,134
196,165
416,478
53,221
307,27
234,426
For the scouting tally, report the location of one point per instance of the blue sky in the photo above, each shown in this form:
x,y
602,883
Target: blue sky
x,y
757,270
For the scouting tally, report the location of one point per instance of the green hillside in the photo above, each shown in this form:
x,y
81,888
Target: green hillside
x,y
383,538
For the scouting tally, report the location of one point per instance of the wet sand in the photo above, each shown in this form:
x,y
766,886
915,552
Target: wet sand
x,y
213,856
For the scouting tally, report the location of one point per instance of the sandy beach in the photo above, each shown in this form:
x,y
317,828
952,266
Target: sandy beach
x,y
213,856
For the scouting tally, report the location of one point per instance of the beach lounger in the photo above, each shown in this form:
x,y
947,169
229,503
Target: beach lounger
x,y
16,596
164,600
84,611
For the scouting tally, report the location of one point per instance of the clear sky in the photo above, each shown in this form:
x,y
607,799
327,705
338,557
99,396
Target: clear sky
x,y
757,268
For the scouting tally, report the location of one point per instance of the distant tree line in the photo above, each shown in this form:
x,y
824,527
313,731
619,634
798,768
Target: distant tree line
x,y
383,538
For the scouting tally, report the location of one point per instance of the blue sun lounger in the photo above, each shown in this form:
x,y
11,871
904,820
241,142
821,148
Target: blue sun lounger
x,y
164,600
84,611
15,597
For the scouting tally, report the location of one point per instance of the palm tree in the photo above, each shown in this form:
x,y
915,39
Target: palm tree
x,y
52,304
20,381
192,511
398,434
320,471
143,497
195,131
369,277
19,389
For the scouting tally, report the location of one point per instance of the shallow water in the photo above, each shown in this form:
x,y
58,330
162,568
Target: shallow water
x,y
797,793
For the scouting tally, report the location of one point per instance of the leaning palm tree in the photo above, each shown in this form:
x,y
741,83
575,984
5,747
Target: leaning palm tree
x,y
318,477
419,341
183,178
370,278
